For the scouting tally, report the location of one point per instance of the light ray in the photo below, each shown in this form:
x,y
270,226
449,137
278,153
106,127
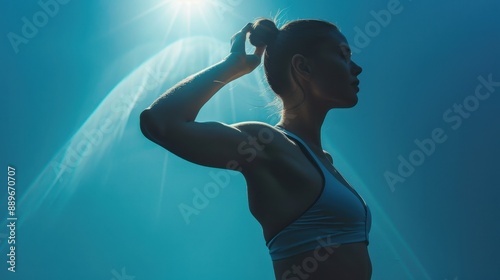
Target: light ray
x,y
141,15
205,20
88,149
170,25
162,184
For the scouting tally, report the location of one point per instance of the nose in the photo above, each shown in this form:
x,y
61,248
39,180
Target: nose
x,y
355,68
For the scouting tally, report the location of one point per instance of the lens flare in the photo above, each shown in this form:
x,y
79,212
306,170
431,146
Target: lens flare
x,y
189,11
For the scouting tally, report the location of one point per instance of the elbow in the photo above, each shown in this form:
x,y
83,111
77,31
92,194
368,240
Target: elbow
x,y
147,127
158,130
154,129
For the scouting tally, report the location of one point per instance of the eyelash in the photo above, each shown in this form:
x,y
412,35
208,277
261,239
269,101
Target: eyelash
x,y
344,56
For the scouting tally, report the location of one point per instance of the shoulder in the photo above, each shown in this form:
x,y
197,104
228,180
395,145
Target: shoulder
x,y
262,136
263,131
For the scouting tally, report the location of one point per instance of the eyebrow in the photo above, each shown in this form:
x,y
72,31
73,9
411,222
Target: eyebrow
x,y
349,52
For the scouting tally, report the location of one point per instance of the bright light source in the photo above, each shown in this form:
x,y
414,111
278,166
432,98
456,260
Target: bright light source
x,y
188,12
188,8
183,15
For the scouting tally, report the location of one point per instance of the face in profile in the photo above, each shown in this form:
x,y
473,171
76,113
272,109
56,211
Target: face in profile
x,y
334,74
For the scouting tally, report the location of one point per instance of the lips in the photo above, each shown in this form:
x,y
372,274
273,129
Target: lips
x,y
355,85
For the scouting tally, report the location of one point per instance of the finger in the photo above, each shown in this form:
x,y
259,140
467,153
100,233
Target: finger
x,y
247,27
238,39
244,30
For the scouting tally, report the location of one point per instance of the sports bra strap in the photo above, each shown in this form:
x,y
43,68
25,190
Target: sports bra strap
x,y
318,162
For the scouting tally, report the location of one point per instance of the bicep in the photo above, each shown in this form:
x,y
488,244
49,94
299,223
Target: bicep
x,y
211,144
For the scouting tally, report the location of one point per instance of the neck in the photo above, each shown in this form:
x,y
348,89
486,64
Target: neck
x,y
305,123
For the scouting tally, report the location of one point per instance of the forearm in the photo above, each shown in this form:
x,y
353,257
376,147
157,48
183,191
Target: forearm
x,y
183,102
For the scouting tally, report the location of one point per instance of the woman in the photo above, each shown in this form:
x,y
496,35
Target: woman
x,y
316,226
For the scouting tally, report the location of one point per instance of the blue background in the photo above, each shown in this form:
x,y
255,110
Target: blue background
x,y
97,200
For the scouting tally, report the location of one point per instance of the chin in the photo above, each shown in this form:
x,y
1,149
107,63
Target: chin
x,y
353,102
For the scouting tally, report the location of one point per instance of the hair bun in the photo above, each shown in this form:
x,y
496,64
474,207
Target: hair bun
x,y
264,32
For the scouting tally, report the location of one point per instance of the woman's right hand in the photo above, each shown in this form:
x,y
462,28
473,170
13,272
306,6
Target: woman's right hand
x,y
238,59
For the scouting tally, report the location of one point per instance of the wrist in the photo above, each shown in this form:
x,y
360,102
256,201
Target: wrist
x,y
233,67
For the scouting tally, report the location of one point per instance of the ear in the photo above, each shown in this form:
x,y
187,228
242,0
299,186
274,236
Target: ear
x,y
301,66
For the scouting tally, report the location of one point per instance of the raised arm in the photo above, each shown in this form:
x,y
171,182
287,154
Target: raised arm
x,y
170,120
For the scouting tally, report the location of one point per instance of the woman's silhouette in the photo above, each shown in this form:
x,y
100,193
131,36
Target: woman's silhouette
x,y
315,224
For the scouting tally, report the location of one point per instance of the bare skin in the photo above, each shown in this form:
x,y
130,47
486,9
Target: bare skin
x,y
281,181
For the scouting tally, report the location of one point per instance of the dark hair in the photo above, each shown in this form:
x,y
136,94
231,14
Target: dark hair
x,y
296,37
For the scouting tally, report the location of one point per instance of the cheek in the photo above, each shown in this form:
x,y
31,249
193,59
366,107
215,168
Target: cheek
x,y
336,76
332,75
334,69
